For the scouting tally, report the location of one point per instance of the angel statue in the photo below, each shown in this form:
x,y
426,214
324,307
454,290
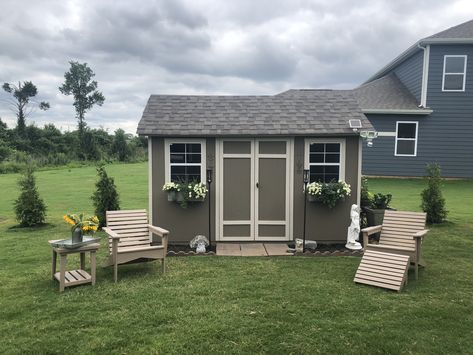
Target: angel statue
x,y
200,242
354,229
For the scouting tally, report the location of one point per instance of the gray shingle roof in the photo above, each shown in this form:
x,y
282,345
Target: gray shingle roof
x,y
461,31
296,112
387,93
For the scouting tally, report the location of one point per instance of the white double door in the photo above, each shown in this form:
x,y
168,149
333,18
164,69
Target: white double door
x,y
254,194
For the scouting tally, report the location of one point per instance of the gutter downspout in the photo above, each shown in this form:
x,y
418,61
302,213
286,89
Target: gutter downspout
x,y
425,74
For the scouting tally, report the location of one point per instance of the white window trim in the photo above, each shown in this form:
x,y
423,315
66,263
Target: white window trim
x,y
342,143
167,157
406,139
462,73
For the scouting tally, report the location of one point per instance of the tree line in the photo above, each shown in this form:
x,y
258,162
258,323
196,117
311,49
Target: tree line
x,y
28,144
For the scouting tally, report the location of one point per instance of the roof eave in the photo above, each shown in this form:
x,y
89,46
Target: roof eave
x,y
447,41
398,111
413,49
399,59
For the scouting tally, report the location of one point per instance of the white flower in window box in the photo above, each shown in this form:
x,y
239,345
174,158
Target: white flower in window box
x,y
183,193
328,193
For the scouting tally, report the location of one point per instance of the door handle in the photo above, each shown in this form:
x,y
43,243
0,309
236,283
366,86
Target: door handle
x,y
257,185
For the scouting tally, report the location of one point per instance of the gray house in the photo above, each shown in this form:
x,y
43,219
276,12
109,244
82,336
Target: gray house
x,y
256,148
421,104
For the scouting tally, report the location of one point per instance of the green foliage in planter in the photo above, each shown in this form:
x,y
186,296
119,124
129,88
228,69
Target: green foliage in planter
x,y
366,195
329,193
380,201
433,202
30,209
105,198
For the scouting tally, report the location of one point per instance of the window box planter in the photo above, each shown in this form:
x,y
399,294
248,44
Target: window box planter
x,y
178,196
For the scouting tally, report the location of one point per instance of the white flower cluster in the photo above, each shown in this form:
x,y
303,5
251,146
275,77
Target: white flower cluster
x,y
199,190
345,188
171,186
314,188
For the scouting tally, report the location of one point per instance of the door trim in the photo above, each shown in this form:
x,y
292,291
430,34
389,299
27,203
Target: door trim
x,y
253,213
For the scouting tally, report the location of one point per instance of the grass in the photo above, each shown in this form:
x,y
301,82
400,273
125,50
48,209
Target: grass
x,y
229,305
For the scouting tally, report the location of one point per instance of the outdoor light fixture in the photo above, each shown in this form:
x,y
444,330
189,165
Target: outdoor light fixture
x,y
306,176
209,182
209,176
369,136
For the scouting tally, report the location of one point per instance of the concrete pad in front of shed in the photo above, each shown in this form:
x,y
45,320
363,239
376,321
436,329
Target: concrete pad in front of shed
x,y
253,249
277,249
227,249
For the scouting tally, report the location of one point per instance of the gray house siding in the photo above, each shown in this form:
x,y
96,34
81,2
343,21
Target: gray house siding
x,y
444,137
410,73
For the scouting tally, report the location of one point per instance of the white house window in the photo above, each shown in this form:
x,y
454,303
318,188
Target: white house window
x,y
406,139
454,73
325,160
185,161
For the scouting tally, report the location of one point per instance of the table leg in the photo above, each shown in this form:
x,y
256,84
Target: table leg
x,y
92,266
62,271
82,261
54,263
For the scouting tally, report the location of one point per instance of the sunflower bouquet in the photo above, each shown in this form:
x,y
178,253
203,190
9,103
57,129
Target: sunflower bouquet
x,y
87,224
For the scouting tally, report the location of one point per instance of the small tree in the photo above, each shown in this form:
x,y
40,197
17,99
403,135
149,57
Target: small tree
x,y
433,202
105,198
120,146
30,209
22,97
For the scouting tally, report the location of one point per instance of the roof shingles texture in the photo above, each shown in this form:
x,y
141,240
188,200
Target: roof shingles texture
x,y
461,31
320,113
388,93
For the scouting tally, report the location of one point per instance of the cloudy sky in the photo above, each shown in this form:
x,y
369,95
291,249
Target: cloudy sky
x,y
138,48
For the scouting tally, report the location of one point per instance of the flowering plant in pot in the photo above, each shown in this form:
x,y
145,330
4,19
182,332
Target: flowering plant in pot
x,y
185,192
328,193
81,224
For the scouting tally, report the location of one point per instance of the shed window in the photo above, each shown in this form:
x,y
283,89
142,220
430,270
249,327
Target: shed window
x,y
186,161
406,139
325,161
454,73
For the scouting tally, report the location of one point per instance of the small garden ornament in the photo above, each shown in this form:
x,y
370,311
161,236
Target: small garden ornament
x,y
200,242
354,229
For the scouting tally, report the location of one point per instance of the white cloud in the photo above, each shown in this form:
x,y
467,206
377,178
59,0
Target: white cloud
x,y
204,47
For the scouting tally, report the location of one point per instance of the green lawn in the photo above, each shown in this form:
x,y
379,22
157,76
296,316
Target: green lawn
x,y
231,305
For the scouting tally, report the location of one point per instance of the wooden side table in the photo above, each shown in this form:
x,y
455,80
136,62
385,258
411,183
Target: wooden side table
x,y
78,276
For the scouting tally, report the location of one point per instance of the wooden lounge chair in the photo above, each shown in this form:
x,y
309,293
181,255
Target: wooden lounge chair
x,y
130,237
401,233
384,270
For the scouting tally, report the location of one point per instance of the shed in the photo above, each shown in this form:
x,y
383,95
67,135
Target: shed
x,y
256,148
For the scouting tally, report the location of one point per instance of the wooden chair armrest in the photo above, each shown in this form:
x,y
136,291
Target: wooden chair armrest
x,y
111,233
158,231
420,234
372,230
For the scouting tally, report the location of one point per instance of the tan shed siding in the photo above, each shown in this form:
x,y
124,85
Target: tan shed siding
x,y
183,224
324,224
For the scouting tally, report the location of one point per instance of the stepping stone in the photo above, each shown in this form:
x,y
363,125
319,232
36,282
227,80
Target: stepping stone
x,y
279,249
228,249
253,249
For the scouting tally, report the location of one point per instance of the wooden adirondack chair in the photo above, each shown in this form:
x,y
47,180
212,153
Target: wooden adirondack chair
x,y
130,237
401,233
